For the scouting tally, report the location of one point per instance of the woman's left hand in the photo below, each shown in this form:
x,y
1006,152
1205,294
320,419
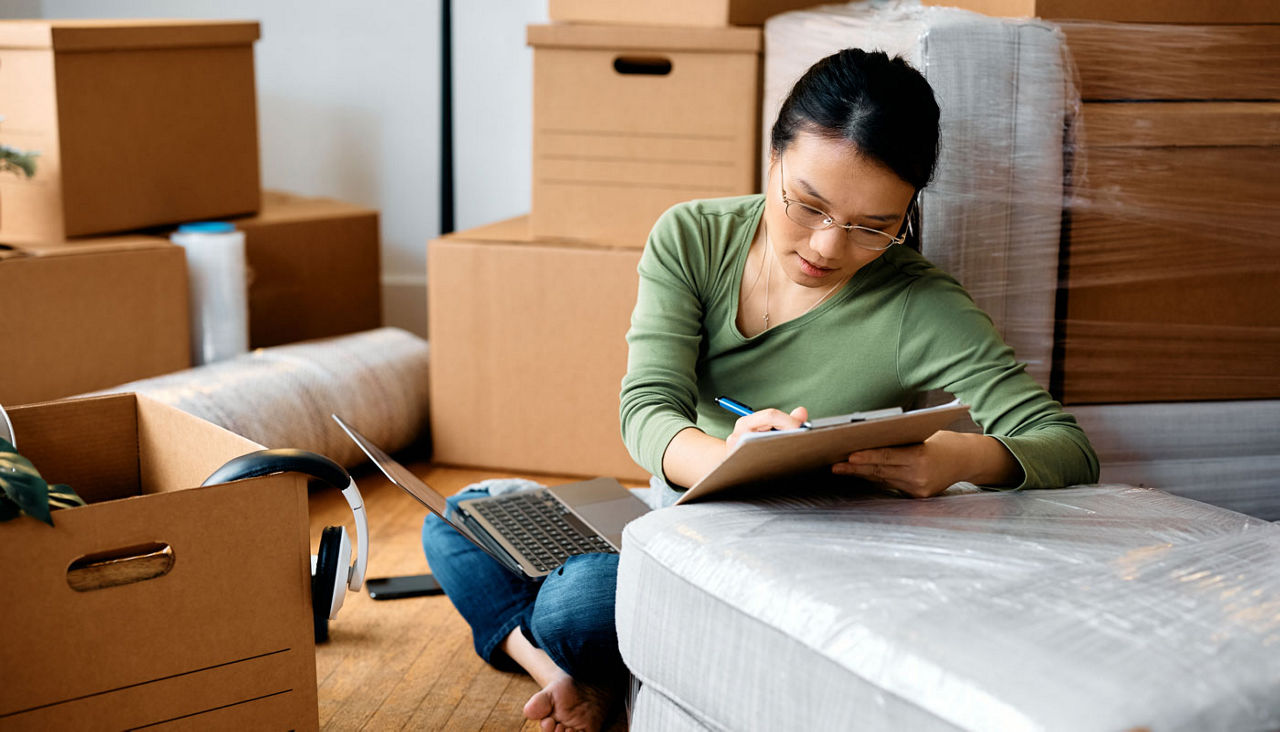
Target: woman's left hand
x,y
930,467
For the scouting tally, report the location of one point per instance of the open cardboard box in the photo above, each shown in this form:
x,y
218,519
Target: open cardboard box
x,y
220,636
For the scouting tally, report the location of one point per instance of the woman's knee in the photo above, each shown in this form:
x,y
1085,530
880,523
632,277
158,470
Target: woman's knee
x,y
572,618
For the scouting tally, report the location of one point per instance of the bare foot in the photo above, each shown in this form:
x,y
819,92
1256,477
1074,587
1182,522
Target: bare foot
x,y
565,705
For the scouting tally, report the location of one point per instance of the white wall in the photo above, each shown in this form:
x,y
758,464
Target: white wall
x,y
493,108
349,107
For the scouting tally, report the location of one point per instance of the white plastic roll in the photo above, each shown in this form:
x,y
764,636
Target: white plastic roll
x,y
282,396
219,290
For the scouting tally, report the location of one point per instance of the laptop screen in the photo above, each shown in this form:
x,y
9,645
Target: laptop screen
x,y
397,473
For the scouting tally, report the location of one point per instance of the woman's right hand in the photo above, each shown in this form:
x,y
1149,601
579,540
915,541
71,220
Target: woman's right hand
x,y
692,453
764,421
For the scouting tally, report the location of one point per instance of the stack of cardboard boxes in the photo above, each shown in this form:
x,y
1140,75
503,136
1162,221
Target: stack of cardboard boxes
x,y
138,126
1168,329
636,107
144,607
1170,248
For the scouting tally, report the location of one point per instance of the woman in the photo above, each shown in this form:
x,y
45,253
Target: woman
x,y
803,299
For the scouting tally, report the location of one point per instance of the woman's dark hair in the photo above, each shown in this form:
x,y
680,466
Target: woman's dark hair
x,y
881,105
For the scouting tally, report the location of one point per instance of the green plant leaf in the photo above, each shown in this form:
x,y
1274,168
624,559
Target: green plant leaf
x,y
30,493
61,496
13,159
22,484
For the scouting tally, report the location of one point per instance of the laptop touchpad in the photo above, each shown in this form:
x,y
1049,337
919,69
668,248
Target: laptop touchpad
x,y
609,517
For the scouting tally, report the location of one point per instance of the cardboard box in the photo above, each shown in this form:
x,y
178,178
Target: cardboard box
x,y
631,120
528,352
91,316
1132,11
1118,61
220,637
138,123
1173,263
706,13
314,269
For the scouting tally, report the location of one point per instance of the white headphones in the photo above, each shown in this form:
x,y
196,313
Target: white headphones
x,y
6,428
332,568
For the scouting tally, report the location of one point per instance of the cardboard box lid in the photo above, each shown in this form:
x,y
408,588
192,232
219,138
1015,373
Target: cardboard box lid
x,y
83,247
518,231
97,35
664,38
508,230
279,207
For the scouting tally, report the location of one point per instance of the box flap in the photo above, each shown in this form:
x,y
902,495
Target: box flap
x,y
280,207
97,35
82,247
89,444
652,38
509,230
517,231
178,450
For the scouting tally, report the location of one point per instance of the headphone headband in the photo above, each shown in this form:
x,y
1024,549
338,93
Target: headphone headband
x,y
288,460
282,460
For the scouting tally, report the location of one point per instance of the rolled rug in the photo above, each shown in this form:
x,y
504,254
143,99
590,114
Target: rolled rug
x,y
282,396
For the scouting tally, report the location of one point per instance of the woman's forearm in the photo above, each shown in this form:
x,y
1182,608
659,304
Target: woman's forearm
x,y
988,462
690,455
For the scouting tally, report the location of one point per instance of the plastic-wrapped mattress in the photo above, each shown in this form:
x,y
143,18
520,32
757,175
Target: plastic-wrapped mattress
x,y
1102,607
992,216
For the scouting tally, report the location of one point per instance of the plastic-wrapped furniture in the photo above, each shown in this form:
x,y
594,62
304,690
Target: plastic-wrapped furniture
x,y
1101,607
1224,453
992,215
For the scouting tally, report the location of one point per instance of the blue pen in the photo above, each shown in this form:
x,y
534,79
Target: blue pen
x,y
737,408
743,410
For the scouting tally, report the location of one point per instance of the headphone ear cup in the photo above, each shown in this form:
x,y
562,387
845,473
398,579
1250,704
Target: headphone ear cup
x,y
328,562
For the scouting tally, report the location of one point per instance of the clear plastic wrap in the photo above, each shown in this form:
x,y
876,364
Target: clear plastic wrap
x,y
1108,193
1102,607
992,215
283,396
1224,453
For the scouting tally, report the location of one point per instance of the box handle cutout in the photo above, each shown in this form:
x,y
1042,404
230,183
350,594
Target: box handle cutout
x,y
123,566
642,65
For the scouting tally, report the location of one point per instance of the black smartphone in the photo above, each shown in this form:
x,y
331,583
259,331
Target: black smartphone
x,y
392,588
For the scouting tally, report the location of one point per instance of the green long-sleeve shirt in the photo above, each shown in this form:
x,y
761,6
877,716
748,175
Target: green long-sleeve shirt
x,y
899,328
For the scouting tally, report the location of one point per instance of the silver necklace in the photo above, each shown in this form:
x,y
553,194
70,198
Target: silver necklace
x,y
769,275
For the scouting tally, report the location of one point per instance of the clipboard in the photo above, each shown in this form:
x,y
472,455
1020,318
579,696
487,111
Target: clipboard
x,y
764,456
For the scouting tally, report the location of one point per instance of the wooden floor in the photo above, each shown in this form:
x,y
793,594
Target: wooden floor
x,y
408,663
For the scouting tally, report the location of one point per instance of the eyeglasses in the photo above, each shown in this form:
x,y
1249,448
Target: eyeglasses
x,y
819,220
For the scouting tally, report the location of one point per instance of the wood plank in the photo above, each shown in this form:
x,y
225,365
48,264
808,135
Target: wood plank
x,y
1180,124
1166,62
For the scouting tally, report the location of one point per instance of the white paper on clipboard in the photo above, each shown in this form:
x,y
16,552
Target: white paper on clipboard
x,y
770,455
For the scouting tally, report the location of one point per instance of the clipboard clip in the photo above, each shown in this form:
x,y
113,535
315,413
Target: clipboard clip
x,y
854,417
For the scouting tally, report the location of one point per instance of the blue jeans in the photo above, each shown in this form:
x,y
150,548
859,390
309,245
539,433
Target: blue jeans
x,y
568,614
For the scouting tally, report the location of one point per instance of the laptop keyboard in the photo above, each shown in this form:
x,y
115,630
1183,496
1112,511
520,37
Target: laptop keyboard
x,y
536,524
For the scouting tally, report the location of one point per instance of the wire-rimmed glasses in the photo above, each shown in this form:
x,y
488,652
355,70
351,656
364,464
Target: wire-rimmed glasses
x,y
819,220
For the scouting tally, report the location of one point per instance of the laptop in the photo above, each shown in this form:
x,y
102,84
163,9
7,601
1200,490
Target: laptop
x,y
532,532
